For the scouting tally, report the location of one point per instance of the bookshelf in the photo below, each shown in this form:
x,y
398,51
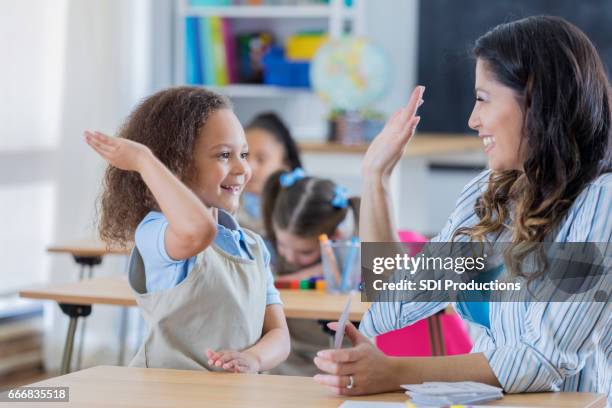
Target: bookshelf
x,y
258,91
264,11
335,18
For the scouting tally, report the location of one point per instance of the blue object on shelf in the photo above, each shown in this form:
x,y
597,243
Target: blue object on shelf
x,y
210,2
193,69
282,72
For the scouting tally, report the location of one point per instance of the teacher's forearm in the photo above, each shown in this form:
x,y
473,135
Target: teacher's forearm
x,y
465,367
376,213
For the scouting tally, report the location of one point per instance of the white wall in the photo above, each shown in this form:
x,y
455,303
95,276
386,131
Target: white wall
x,y
107,70
31,45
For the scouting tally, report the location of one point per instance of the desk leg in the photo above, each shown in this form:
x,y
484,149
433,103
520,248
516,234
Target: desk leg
x,y
122,335
86,267
73,312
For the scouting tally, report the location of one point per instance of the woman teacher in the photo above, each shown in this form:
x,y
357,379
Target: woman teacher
x,y
543,111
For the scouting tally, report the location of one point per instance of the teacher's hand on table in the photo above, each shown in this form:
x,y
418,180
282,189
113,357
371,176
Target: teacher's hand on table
x,y
387,148
361,369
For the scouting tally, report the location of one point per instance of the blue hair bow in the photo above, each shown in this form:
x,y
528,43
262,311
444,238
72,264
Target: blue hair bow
x,y
288,179
340,199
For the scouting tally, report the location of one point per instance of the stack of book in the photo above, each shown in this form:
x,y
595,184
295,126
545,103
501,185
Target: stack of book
x,y
451,393
210,53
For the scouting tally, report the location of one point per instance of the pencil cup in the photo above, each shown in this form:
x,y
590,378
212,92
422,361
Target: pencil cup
x,y
341,265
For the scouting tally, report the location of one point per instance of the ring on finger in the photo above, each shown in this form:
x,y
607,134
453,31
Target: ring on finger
x,y
351,383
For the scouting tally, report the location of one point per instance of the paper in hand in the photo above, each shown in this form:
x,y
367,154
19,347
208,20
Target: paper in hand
x,y
339,336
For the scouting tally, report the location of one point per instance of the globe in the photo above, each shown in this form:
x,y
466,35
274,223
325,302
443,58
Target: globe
x,y
350,73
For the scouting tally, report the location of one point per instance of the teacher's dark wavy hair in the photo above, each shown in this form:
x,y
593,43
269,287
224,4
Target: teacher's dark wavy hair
x,y
560,82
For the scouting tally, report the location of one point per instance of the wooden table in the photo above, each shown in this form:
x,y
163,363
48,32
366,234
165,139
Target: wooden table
x,y
422,144
86,248
300,304
88,253
77,298
147,387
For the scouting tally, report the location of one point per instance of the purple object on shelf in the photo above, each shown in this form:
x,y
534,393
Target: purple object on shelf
x,y
281,72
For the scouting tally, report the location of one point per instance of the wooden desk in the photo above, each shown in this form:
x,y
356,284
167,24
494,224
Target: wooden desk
x,y
76,299
301,304
86,248
88,253
422,144
147,387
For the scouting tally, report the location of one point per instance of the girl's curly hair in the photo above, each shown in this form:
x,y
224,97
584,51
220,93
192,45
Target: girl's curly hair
x,y
167,122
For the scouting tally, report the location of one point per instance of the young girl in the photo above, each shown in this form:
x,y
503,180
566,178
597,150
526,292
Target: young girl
x,y
271,148
543,110
297,209
202,283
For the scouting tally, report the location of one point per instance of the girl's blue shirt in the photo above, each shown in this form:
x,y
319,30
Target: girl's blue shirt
x,y
163,272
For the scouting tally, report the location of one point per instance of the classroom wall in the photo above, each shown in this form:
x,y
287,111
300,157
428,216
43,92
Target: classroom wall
x,y
31,35
107,61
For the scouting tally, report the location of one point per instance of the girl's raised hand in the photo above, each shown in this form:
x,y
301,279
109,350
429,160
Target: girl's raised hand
x,y
387,148
122,153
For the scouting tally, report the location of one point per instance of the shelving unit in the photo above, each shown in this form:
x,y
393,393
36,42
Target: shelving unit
x,y
304,11
258,91
281,20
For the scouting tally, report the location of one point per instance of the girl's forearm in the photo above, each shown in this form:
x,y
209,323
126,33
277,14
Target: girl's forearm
x,y
377,223
272,349
186,213
465,367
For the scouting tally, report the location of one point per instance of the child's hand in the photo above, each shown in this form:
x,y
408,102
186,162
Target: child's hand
x,y
388,146
122,153
233,361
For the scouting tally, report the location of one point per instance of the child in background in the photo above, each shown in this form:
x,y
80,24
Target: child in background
x,y
271,148
176,173
297,209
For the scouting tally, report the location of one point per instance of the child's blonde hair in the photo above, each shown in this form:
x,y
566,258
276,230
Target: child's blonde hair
x,y
169,123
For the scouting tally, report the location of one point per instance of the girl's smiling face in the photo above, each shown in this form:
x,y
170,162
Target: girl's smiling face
x,y
221,167
498,119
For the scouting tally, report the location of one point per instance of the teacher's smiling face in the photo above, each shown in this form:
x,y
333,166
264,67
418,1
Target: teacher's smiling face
x,y
498,119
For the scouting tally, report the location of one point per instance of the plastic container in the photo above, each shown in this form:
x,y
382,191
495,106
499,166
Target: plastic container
x,y
281,72
341,265
304,46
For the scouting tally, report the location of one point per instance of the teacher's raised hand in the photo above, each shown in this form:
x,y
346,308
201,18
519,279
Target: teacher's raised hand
x,y
361,369
377,223
386,149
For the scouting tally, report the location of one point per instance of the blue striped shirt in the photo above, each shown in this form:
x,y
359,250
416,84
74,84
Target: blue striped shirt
x,y
538,346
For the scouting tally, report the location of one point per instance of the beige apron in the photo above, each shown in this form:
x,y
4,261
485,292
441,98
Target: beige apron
x,y
307,338
220,305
